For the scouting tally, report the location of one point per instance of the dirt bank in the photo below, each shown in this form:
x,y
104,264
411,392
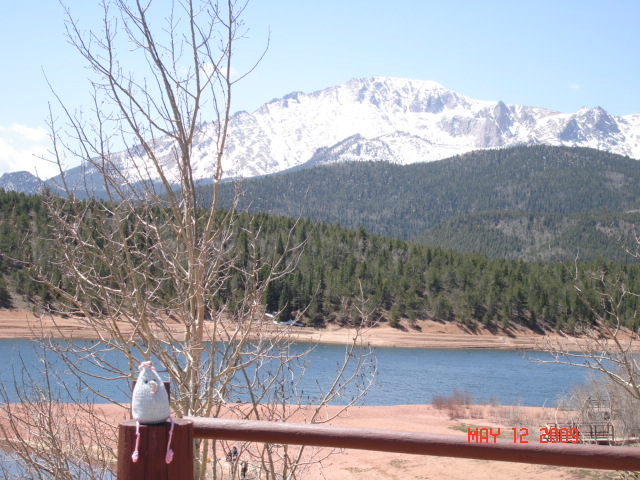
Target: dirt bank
x,y
426,334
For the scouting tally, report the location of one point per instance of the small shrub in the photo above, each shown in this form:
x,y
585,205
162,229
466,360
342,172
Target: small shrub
x,y
438,402
455,404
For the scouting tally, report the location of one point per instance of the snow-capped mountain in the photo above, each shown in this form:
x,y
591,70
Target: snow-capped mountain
x,y
397,120
406,121
20,182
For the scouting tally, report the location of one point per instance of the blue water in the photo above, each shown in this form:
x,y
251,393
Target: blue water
x,y
409,376
405,375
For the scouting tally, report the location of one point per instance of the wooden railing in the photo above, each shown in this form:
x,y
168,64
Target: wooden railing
x,y
153,442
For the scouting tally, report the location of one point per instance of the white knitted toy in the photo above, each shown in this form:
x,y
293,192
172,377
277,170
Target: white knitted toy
x,y
150,404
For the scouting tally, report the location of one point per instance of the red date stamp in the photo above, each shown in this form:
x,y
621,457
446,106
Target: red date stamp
x,y
521,435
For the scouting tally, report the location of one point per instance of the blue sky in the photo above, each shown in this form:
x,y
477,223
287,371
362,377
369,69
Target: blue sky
x,y
557,54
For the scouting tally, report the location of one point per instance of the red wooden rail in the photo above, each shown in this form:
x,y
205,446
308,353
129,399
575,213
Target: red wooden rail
x,y
562,455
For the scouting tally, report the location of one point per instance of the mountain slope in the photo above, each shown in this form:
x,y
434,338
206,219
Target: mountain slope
x,y
395,120
21,182
536,236
407,121
406,201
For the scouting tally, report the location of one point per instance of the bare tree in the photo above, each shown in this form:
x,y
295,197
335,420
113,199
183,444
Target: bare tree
x,y
151,273
607,343
48,437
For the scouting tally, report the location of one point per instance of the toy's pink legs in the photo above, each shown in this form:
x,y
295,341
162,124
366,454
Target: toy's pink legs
x,y
169,455
134,456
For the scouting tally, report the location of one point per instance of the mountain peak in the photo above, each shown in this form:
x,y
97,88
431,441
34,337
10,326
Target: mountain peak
x,y
398,120
21,182
407,121
398,83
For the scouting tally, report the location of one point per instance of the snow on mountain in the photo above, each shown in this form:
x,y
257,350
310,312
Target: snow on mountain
x,y
406,121
21,182
397,120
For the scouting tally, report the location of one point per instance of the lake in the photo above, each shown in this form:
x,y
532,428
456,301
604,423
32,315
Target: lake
x,y
405,375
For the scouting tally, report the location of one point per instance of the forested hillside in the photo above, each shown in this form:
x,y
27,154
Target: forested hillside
x,y
23,223
408,201
537,236
399,280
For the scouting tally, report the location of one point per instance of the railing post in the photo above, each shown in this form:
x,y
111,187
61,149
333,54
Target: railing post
x,y
152,450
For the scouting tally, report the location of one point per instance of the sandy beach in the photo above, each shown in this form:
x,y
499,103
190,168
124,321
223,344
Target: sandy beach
x,y
425,334
368,465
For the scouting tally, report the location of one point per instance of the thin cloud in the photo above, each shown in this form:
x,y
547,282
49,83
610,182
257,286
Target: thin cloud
x,y
30,134
20,149
209,69
575,86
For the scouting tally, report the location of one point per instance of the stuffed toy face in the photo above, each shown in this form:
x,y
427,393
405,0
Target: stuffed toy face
x,y
150,402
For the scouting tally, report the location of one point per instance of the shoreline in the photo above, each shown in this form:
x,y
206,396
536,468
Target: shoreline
x,y
427,334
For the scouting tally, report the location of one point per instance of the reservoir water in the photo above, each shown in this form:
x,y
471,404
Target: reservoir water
x,y
405,375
